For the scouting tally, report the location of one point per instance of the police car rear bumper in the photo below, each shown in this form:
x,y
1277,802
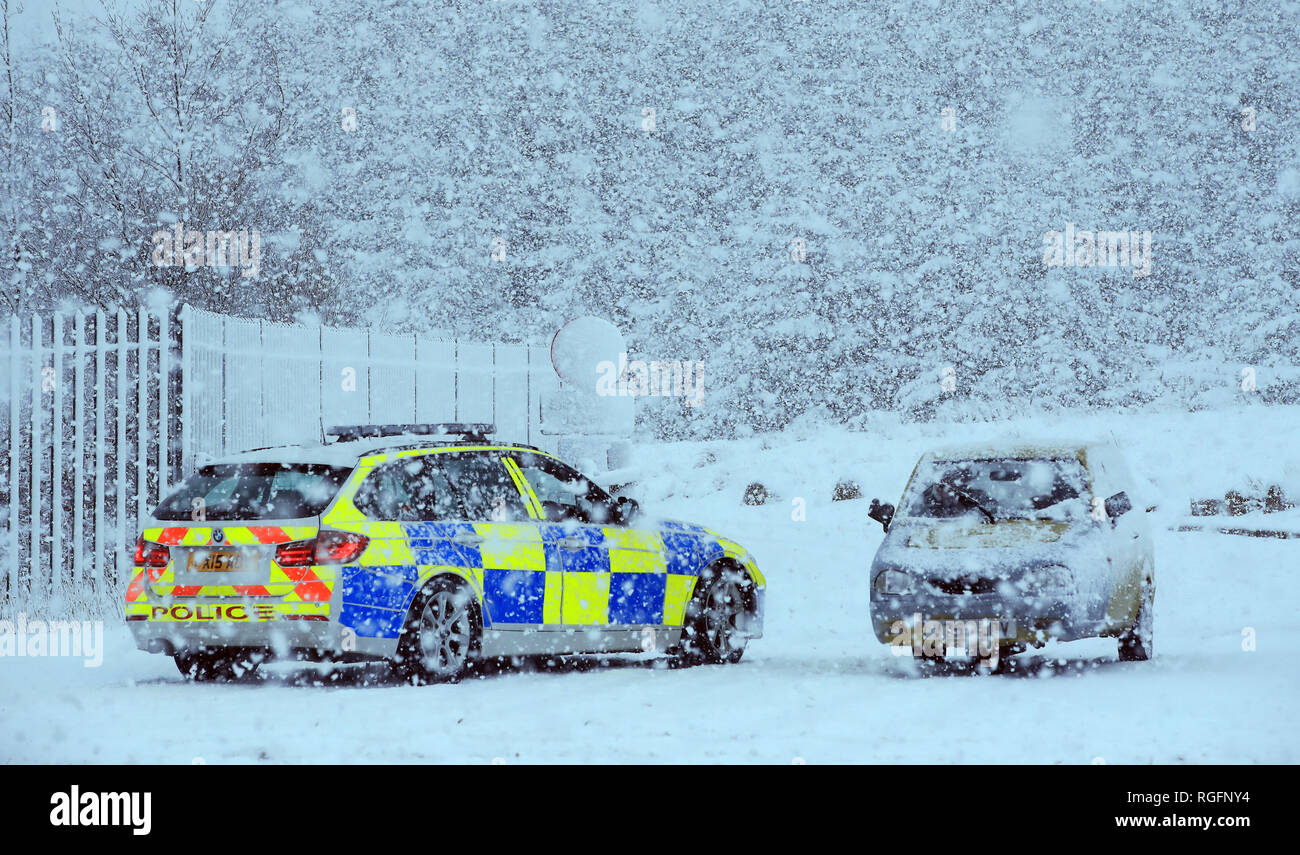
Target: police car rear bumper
x,y
281,637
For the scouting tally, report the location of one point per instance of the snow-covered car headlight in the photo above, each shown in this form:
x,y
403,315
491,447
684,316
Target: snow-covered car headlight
x,y
893,582
1049,577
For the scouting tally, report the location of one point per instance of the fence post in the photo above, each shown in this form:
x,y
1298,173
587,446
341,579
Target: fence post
x,y
15,447
225,411
56,457
261,370
120,453
182,419
34,559
164,414
100,405
79,448
320,380
141,413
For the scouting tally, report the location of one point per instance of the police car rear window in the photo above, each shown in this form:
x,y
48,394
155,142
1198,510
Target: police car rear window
x,y
254,491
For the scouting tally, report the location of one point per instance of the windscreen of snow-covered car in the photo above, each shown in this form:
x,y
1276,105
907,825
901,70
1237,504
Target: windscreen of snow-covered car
x,y
254,491
1000,488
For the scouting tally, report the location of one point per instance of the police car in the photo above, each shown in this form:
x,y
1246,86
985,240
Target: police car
x,y
433,547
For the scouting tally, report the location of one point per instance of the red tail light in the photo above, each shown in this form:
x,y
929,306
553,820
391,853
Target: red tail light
x,y
330,547
340,547
299,554
151,554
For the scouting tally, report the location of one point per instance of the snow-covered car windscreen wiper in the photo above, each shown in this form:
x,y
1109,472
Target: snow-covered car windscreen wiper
x,y
972,501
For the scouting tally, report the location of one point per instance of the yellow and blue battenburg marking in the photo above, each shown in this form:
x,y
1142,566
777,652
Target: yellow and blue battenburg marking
x,y
523,575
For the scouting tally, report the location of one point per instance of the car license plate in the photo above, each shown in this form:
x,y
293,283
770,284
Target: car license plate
x,y
216,561
962,637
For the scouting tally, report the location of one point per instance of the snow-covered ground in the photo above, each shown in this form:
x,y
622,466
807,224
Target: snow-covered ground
x,y
817,688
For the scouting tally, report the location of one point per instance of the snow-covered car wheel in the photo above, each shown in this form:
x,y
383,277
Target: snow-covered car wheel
x,y
211,666
712,634
441,638
1006,663
1137,644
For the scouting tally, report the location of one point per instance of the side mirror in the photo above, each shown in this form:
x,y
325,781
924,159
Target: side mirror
x,y
881,513
1118,505
627,508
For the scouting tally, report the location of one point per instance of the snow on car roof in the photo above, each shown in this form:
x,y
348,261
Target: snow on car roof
x,y
334,454
346,453
1016,448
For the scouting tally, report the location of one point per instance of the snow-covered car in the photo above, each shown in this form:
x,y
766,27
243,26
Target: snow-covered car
x,y
1019,544
429,550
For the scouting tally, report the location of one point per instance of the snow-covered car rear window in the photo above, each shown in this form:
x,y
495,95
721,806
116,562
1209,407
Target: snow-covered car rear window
x,y
999,489
254,491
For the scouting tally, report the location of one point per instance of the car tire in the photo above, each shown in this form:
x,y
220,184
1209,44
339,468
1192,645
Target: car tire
x,y
710,631
211,666
1137,643
442,637
1007,664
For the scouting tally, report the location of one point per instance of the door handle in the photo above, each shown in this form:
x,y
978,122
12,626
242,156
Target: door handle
x,y
467,538
573,541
